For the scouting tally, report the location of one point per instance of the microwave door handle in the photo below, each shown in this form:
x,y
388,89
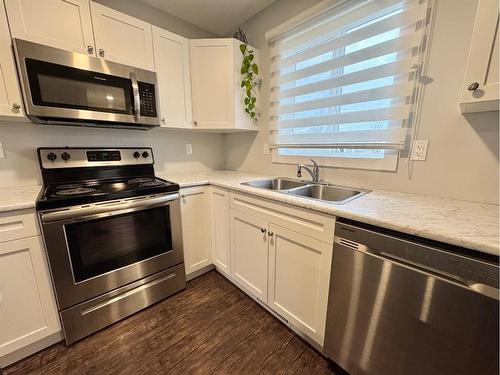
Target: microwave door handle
x,y
137,97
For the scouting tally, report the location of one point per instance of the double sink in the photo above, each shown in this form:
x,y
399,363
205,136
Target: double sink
x,y
323,192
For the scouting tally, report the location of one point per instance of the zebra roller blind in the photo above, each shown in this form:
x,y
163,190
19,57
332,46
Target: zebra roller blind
x,y
343,83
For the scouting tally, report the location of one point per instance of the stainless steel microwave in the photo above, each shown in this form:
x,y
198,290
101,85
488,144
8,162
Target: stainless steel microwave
x,y
68,88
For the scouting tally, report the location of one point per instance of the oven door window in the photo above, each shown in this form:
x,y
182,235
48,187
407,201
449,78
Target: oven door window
x,y
60,86
103,245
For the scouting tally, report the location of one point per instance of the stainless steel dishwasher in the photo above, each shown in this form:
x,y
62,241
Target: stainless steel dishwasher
x,y
403,305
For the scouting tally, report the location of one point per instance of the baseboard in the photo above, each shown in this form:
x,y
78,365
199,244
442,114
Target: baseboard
x,y
199,272
30,349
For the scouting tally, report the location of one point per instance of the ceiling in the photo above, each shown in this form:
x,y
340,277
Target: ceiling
x,y
220,17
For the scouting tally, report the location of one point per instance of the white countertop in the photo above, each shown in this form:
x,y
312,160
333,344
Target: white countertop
x,y
18,197
471,225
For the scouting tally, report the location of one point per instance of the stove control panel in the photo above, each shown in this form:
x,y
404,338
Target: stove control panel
x,y
99,155
52,158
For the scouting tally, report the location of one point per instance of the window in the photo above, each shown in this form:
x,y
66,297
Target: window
x,y
343,84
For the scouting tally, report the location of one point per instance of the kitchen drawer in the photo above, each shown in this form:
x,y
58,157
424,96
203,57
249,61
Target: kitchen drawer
x,y
306,222
18,224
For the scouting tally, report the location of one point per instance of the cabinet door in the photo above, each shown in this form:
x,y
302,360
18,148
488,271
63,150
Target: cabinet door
x,y
482,64
212,83
249,253
171,55
299,273
220,229
28,310
64,24
10,97
121,38
196,228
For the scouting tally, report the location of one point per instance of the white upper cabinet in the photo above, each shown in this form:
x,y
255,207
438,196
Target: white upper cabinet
x,y
121,38
10,97
171,55
64,24
217,95
481,84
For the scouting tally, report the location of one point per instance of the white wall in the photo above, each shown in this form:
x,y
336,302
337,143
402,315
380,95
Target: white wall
x,y
462,160
20,139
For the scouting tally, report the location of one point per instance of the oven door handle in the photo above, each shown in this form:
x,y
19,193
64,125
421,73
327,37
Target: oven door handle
x,y
107,209
137,97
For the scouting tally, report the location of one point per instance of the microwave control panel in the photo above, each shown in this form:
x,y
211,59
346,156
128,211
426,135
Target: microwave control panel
x,y
148,99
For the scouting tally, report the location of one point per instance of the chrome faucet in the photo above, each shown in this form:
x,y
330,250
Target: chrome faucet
x,y
314,172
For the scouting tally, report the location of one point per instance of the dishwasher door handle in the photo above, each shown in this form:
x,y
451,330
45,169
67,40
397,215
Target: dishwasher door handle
x,y
486,290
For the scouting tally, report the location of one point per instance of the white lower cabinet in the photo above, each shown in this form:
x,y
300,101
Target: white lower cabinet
x,y
219,199
249,253
282,256
28,311
299,274
196,228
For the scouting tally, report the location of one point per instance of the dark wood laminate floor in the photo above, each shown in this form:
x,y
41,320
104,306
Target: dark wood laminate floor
x,y
209,328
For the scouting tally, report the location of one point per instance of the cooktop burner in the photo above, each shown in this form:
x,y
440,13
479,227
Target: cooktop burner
x,y
75,191
151,183
68,186
139,180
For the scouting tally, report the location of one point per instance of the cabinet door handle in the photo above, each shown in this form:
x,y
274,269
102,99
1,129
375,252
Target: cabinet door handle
x,y
473,86
101,52
90,49
263,230
270,234
16,106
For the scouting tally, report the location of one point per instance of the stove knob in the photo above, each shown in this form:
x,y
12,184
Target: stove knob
x,y
65,156
137,154
51,156
145,154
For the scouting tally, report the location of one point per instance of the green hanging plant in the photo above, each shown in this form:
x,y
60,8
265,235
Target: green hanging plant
x,y
249,70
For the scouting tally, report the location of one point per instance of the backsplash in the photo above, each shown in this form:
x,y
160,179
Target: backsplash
x,y
20,141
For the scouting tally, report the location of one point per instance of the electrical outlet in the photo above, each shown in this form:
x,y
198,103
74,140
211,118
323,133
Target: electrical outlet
x,y
189,149
266,148
419,151
2,154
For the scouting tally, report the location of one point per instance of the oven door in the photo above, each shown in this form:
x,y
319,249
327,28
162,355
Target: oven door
x,y
63,86
95,249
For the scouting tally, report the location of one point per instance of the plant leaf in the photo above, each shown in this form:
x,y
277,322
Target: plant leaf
x,y
243,48
255,68
247,100
252,114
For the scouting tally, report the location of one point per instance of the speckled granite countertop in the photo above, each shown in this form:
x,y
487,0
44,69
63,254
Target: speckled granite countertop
x,y
467,224
471,225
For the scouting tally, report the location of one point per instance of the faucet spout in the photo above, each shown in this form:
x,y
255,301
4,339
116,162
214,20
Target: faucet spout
x,y
314,172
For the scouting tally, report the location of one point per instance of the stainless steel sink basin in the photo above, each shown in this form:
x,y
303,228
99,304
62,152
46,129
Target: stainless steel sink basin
x,y
276,184
328,193
318,191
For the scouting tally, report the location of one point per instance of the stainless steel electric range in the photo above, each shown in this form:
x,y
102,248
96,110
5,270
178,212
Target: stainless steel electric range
x,y
112,233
